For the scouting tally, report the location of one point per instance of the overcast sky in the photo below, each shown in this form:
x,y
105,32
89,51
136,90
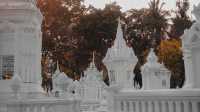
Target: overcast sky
x,y
128,4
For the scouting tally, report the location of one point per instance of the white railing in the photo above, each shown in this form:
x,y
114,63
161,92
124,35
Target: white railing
x,y
156,101
89,105
40,105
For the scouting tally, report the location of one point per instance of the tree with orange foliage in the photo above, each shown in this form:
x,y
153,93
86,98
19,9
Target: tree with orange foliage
x,y
170,54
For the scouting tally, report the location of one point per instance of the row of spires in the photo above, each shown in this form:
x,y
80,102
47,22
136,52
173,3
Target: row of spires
x,y
119,44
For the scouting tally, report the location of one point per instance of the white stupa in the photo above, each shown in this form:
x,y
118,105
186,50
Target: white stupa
x,y
91,73
61,81
120,61
92,83
154,74
21,43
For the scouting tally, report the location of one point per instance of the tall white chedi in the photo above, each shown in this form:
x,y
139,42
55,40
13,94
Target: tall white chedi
x,y
154,74
21,37
92,83
191,52
120,61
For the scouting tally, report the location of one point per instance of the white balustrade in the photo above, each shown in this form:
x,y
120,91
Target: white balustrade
x,y
137,107
150,106
87,106
195,106
170,105
157,101
38,105
164,106
156,106
178,106
131,106
143,106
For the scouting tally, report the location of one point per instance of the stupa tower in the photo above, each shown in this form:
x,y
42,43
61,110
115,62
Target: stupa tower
x,y
120,61
92,83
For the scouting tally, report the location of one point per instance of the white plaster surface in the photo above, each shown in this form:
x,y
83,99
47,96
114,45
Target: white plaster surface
x,y
20,36
191,52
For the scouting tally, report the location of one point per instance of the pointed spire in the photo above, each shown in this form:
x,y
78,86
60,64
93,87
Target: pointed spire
x,y
16,84
120,50
119,21
93,57
92,64
119,41
152,58
92,73
57,68
152,62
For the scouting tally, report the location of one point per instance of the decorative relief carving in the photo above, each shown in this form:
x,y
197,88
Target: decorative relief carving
x,y
25,4
196,12
27,54
6,27
187,54
40,34
195,38
29,30
190,34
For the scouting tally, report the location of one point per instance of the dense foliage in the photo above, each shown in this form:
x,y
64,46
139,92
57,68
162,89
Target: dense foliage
x,y
98,29
59,42
171,55
72,32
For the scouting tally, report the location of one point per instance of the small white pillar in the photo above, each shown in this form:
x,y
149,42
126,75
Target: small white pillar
x,y
154,74
191,52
